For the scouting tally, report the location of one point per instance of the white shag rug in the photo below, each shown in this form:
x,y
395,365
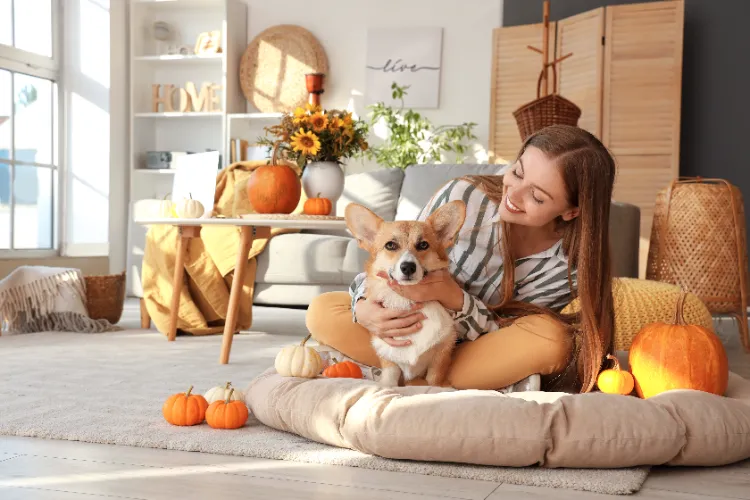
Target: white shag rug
x,y
109,388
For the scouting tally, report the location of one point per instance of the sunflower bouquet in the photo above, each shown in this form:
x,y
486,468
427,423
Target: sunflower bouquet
x,y
313,134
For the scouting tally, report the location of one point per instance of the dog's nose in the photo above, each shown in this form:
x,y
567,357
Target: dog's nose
x,y
408,268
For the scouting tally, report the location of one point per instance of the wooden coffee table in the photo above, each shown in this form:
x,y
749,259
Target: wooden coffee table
x,y
191,228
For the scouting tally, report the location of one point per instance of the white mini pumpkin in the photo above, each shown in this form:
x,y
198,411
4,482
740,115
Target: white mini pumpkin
x,y
298,361
188,208
220,393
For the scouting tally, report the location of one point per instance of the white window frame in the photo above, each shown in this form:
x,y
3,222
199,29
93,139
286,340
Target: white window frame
x,y
29,63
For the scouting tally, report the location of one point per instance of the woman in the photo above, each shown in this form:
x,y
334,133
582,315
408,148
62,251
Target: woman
x,y
549,215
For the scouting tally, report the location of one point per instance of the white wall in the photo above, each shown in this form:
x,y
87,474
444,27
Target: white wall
x,y
86,73
341,27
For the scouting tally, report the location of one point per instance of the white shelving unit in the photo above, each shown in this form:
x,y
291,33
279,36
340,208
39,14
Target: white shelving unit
x,y
176,131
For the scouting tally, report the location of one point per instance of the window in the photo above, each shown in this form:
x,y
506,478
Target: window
x,y
29,117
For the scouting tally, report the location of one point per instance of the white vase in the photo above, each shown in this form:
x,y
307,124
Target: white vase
x,y
323,179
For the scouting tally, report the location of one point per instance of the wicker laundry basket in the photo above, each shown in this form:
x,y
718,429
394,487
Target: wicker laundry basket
x,y
551,109
105,296
698,242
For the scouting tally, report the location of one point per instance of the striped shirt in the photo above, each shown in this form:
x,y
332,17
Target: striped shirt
x,y
476,263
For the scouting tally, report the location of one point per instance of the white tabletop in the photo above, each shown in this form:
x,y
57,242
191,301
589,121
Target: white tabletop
x,y
249,220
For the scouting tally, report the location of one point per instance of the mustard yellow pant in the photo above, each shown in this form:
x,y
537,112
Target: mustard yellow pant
x,y
532,344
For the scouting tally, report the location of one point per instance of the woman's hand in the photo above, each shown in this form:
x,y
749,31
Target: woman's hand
x,y
388,323
437,286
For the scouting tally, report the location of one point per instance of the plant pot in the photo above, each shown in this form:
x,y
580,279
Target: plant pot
x,y
323,179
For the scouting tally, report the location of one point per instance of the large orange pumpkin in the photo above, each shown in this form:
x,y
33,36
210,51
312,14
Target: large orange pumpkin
x,y
274,189
678,356
185,408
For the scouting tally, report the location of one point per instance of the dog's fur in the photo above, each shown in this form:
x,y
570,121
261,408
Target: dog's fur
x,y
397,249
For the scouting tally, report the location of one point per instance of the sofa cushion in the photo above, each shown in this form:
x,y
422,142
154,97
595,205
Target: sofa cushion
x,y
310,259
377,190
422,181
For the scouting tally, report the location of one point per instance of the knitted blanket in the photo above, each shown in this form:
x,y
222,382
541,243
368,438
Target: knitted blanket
x,y
41,299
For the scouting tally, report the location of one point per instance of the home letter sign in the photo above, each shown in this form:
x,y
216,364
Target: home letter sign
x,y
190,100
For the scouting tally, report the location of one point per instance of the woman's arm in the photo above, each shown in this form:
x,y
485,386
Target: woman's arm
x,y
475,318
357,291
385,323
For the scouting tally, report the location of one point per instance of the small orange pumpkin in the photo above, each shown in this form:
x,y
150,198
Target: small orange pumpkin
x,y
185,408
678,356
227,414
615,380
345,369
317,206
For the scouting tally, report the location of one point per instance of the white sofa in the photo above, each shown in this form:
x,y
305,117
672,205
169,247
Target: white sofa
x,y
295,268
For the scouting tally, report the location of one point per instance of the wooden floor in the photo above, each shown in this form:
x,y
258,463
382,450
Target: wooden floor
x,y
64,470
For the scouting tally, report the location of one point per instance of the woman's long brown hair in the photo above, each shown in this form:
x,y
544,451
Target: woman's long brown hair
x,y
588,171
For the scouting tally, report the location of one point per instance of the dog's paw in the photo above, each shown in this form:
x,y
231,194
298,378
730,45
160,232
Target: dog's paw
x,y
390,376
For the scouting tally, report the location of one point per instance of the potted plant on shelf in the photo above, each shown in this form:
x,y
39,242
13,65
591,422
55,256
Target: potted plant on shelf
x,y
318,140
413,139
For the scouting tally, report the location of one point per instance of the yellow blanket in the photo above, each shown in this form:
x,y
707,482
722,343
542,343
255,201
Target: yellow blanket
x,y
209,263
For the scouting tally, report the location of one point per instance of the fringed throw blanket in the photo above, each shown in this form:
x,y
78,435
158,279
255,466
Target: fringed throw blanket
x,y
43,299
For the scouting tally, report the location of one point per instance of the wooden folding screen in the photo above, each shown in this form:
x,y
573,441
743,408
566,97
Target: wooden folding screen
x,y
515,71
642,102
625,75
580,77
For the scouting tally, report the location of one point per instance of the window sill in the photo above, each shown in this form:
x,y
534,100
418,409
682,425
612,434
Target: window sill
x,y
27,254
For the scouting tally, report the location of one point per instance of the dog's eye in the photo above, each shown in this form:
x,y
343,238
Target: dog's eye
x,y
422,246
391,246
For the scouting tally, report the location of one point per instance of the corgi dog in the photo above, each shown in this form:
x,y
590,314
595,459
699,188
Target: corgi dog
x,y
407,251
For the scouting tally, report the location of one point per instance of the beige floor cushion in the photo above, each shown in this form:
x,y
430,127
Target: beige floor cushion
x,y
485,427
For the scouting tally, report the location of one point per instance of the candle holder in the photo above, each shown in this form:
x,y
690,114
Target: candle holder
x,y
314,82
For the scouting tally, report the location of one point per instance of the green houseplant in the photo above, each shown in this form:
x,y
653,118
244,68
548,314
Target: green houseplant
x,y
412,138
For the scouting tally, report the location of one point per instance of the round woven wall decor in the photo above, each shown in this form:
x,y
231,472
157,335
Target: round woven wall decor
x,y
273,68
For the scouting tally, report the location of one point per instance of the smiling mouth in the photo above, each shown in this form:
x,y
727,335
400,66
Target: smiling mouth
x,y
511,207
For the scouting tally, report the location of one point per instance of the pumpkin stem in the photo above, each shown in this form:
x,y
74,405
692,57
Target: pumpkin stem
x,y
615,361
187,394
679,317
318,195
227,386
229,396
309,336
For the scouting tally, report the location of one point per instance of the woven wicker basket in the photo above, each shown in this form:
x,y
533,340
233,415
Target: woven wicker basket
x,y
274,65
105,296
698,242
549,110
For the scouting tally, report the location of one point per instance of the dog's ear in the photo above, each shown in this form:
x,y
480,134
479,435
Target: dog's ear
x,y
447,220
362,223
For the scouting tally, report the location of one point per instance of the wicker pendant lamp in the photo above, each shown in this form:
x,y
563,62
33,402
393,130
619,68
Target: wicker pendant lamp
x,y
547,109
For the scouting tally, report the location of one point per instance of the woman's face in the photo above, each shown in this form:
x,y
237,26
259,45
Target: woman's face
x,y
535,193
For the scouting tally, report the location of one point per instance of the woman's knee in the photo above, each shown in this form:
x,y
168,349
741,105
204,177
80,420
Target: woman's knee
x,y
555,341
324,312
